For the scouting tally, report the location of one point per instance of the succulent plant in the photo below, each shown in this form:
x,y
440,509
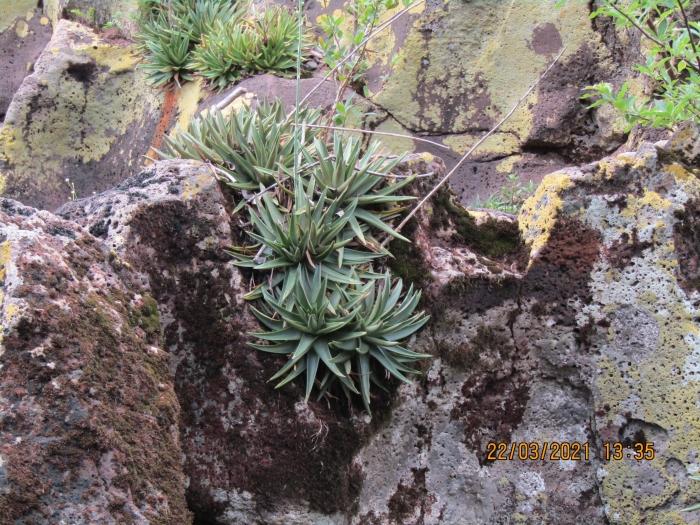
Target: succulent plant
x,y
201,16
345,328
225,55
278,30
251,145
167,57
215,39
315,230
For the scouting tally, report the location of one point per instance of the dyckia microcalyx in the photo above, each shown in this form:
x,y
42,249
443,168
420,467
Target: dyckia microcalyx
x,y
343,327
251,146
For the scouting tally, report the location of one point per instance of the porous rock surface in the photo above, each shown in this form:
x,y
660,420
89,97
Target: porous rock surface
x,y
594,343
88,415
575,323
252,454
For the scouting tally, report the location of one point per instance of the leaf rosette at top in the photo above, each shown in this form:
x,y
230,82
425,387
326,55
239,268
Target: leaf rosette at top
x,y
346,328
168,33
278,30
226,55
199,17
320,229
167,57
251,146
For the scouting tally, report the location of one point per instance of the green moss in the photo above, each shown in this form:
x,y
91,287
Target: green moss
x,y
147,318
461,357
488,339
494,239
409,261
465,356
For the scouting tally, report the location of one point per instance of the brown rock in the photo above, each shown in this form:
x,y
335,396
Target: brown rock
x,y
86,435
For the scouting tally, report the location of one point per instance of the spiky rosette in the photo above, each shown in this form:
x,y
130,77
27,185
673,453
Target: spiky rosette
x,y
311,233
250,145
345,328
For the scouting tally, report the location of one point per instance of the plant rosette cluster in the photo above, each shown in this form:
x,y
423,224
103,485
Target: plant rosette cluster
x,y
313,244
249,147
218,40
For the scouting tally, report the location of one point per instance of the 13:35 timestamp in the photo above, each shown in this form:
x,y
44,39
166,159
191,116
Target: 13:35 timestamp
x,y
638,451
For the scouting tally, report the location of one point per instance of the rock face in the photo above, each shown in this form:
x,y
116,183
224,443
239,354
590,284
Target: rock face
x,y
128,393
253,454
88,415
596,343
21,42
84,114
463,65
575,323
119,12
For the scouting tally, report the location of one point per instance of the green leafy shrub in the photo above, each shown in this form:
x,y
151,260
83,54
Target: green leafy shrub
x,y
672,63
219,40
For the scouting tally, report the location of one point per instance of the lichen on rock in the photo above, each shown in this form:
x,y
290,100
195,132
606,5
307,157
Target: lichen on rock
x,y
84,114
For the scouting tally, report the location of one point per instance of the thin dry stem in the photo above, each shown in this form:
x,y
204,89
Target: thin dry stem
x,y
367,39
473,148
399,135
231,97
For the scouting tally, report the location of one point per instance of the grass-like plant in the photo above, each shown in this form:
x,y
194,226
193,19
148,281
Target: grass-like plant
x,y
278,30
510,198
319,208
200,17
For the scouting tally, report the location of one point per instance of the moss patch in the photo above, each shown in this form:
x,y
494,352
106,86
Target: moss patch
x,y
493,238
409,260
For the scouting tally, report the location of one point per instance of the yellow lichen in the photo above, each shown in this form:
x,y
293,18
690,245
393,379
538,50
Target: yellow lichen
x,y
190,96
538,213
678,172
507,165
22,29
116,58
10,10
82,124
191,189
394,143
5,254
483,63
635,205
498,143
